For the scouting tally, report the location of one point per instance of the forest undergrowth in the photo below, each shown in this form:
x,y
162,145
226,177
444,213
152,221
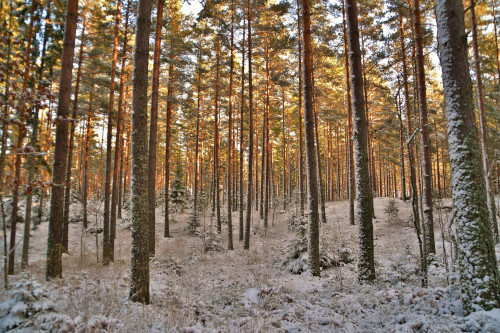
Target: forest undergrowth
x,y
193,290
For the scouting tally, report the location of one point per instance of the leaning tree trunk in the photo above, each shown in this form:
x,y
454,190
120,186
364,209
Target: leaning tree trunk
x,y
139,275
366,264
480,280
54,242
312,178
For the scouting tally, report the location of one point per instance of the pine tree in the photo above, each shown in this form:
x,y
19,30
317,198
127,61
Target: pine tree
x,y
479,276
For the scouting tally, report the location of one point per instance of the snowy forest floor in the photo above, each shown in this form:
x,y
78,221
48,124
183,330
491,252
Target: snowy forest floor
x,y
245,291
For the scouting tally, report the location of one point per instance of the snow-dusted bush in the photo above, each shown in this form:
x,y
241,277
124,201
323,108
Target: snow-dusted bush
x,y
25,301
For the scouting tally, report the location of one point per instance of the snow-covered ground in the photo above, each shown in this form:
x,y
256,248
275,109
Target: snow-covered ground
x,y
246,291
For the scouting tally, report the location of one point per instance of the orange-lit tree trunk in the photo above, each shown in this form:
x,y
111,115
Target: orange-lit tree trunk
x,y
54,242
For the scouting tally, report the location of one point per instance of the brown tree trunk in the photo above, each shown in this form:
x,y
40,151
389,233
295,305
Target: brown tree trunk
x,y
170,93
86,163
301,149
139,275
118,143
242,123
67,194
429,243
106,252
54,242
229,139
312,178
153,128
248,216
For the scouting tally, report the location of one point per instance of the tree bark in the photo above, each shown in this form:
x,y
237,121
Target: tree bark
x,y
312,177
366,264
429,243
153,128
248,215
483,125
229,139
480,280
67,194
301,149
139,275
106,252
242,123
54,242
118,142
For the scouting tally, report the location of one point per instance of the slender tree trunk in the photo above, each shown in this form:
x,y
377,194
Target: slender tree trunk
x,y
312,178
352,193
139,275
483,125
248,216
229,139
31,162
54,242
118,143
402,152
216,141
195,203
366,265
321,194
86,162
106,252
153,128
19,146
429,243
480,280
170,93
67,194
301,149
242,123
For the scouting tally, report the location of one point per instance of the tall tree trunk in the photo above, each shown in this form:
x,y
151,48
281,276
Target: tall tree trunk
x,y
366,265
483,125
216,141
248,216
31,161
242,123
312,178
54,242
321,194
195,203
139,275
411,151
118,142
480,280
67,193
153,128
170,93
301,149
86,162
106,252
352,193
19,146
401,151
429,243
229,139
